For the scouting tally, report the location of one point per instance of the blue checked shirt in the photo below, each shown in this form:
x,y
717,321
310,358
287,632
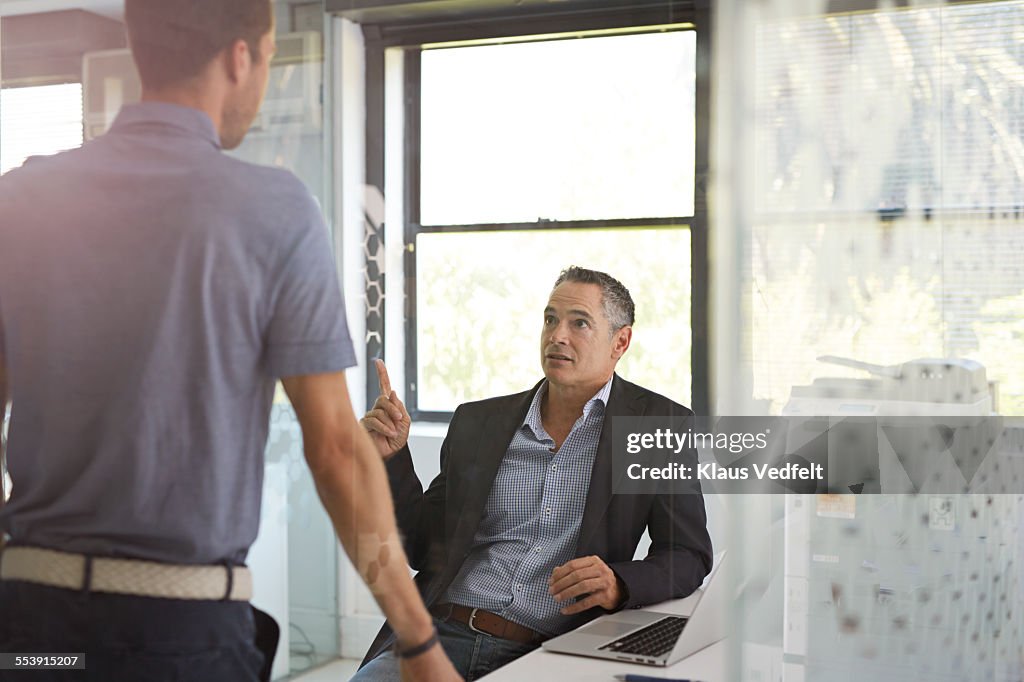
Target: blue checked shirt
x,y
531,522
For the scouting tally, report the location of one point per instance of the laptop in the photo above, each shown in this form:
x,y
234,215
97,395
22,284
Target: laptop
x,y
650,637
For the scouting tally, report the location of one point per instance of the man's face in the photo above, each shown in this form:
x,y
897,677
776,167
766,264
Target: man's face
x,y
243,105
577,346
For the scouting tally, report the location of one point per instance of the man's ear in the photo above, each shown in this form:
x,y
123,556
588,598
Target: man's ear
x,y
620,344
238,61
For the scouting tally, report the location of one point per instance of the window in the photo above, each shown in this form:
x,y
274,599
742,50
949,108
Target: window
x,y
526,157
35,120
558,130
38,120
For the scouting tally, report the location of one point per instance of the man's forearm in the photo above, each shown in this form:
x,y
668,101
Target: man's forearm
x,y
354,490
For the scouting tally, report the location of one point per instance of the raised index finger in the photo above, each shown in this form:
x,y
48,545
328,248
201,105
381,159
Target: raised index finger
x,y
382,375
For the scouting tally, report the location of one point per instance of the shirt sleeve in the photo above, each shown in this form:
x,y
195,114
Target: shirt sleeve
x,y
308,330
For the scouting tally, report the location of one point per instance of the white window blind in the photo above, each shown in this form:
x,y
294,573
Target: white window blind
x,y
888,194
38,120
892,111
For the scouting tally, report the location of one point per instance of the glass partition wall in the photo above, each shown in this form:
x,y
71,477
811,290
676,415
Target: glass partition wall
x,y
294,559
867,236
296,554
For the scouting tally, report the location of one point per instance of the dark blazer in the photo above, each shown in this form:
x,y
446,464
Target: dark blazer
x,y
439,525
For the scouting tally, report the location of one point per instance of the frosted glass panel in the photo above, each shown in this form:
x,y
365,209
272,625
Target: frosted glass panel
x,y
876,229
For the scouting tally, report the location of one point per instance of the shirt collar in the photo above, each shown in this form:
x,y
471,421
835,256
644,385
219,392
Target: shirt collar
x,y
533,419
186,119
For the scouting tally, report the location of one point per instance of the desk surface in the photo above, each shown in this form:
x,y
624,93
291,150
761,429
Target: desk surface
x,y
707,665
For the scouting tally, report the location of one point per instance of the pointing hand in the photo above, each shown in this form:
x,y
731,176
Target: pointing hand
x,y
388,421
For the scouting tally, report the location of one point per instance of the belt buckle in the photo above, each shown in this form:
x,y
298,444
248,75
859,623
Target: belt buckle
x,y
472,617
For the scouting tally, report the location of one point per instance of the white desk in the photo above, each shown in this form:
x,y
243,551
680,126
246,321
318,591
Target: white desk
x,y
707,665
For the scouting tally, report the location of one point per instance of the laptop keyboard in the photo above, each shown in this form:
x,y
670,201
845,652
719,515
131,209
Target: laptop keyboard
x,y
657,639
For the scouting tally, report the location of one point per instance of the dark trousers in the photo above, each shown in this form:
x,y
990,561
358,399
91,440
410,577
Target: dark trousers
x,y
135,638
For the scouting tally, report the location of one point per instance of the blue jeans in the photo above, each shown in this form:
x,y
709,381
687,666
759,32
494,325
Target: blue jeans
x,y
473,655
129,638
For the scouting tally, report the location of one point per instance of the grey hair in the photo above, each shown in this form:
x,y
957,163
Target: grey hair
x,y
615,299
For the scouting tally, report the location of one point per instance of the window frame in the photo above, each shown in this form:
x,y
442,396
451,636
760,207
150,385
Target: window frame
x,y
412,38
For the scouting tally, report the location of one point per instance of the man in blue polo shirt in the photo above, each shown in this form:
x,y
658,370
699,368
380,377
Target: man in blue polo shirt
x,y
152,291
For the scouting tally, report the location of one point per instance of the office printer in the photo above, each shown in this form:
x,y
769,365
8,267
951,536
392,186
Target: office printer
x,y
932,387
854,563
937,415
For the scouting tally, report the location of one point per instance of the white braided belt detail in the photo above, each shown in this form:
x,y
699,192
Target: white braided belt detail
x,y
124,576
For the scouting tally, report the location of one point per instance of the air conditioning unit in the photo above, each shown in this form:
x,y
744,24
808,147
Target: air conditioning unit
x,y
293,103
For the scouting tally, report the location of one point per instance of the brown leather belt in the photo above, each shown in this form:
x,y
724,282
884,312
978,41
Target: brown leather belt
x,y
487,623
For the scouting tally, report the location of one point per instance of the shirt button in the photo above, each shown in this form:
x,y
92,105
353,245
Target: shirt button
x,y
548,510
538,550
554,466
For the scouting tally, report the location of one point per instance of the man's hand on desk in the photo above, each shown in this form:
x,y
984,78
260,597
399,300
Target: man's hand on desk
x,y
388,422
589,576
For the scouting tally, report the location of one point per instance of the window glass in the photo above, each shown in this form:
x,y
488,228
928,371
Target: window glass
x,y
594,128
481,297
38,120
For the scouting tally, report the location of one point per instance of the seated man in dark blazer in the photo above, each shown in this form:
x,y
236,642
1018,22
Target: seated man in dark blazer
x,y
519,538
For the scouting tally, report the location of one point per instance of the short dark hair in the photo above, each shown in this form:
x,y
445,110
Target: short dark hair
x,y
615,299
173,40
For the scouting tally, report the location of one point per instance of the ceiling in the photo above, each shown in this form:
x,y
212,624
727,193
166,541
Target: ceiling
x,y
109,8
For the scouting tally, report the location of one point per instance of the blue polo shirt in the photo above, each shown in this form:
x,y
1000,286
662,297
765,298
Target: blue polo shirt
x,y
152,290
